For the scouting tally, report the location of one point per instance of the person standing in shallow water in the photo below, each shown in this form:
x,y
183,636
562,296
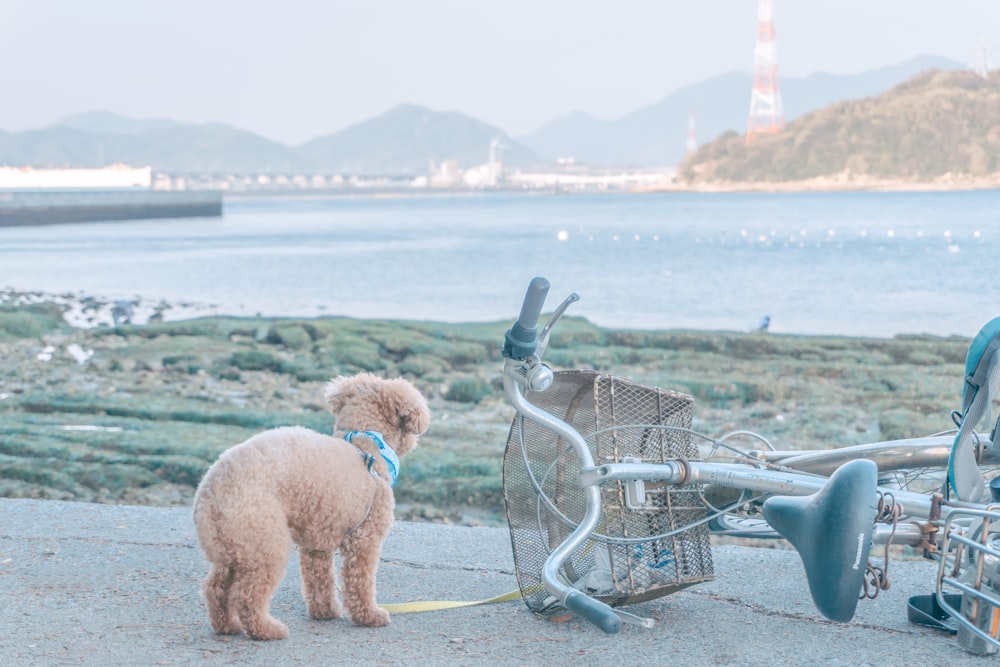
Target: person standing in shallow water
x,y
122,313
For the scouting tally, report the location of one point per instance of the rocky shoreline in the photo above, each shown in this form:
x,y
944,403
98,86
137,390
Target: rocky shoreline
x,y
135,414
86,311
843,182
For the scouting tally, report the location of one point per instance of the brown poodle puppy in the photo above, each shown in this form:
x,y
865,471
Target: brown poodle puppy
x,y
322,493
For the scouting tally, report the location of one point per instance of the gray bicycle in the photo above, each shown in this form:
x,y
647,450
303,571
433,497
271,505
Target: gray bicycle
x,y
612,497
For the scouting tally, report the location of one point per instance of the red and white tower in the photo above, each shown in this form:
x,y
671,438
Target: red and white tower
x,y
982,64
766,116
692,140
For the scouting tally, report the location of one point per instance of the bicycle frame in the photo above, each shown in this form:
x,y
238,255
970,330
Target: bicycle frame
x,y
931,451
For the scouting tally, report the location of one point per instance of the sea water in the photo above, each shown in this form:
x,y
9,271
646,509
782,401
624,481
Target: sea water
x,y
860,263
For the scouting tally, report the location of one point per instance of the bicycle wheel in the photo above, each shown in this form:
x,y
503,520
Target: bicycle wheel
x,y
738,525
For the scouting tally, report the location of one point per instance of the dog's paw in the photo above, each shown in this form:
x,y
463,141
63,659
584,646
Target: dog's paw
x,y
375,617
325,612
230,628
268,629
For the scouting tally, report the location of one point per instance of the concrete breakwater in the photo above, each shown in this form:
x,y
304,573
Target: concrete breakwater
x,y
57,207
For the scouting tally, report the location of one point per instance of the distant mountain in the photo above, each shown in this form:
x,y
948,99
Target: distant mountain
x,y
212,147
656,135
105,122
170,147
577,135
55,146
936,124
407,139
404,140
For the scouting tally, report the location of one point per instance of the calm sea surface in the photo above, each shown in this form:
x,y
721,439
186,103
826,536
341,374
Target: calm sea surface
x,y
843,263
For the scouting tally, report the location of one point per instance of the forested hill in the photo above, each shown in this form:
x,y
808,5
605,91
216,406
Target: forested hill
x,y
936,125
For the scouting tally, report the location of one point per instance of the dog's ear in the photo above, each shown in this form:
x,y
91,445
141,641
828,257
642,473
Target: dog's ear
x,y
414,418
337,392
341,390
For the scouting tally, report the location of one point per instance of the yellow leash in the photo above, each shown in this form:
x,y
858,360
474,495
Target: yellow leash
x,y
436,605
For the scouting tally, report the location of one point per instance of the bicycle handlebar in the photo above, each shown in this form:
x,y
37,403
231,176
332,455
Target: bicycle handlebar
x,y
594,611
521,340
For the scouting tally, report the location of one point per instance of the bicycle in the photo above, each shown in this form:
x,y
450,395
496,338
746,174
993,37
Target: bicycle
x,y
612,497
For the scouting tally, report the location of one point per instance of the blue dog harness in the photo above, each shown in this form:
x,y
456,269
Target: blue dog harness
x,y
388,455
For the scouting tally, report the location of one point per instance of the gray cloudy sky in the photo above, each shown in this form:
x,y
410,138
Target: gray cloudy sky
x,y
298,69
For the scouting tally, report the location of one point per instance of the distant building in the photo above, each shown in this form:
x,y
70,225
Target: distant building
x,y
494,173
113,177
444,174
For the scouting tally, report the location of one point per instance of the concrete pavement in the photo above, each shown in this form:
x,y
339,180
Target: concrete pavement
x,y
84,584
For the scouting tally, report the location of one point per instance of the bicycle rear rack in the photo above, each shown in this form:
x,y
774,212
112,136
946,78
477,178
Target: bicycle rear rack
x,y
970,568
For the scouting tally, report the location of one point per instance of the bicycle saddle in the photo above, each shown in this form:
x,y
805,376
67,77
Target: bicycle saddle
x,y
832,531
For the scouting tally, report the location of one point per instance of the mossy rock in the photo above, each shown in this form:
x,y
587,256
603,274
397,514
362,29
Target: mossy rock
x,y
468,390
924,358
177,469
184,363
399,344
900,423
355,354
27,470
208,327
19,325
601,357
111,476
294,337
456,352
573,331
311,373
422,365
722,394
255,360
31,321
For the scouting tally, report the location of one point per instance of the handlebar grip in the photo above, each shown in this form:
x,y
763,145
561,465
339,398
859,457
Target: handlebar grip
x,y
594,611
534,299
521,340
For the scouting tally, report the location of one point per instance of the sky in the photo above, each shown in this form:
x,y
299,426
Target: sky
x,y
295,70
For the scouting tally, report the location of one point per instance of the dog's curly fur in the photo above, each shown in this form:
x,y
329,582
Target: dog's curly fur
x,y
296,485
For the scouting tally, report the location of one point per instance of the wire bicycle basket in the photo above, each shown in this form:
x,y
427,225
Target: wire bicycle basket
x,y
641,550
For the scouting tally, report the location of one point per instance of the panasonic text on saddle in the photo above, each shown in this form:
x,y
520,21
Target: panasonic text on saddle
x,y
861,548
